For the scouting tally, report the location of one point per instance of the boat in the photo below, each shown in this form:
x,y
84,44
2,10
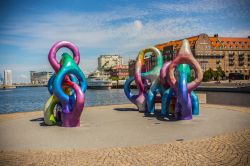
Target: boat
x,y
98,80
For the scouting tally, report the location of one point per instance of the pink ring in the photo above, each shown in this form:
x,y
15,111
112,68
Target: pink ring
x,y
52,53
185,60
163,74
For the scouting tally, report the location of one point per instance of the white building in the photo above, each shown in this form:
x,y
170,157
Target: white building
x,y
40,77
7,77
108,61
1,79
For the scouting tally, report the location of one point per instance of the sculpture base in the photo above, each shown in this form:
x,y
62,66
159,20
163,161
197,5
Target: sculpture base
x,y
185,118
68,121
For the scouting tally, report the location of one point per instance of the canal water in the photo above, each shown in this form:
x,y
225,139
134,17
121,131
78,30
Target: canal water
x,y
33,98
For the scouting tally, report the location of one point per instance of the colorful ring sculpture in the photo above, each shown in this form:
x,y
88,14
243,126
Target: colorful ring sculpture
x,y
177,96
67,87
145,100
187,101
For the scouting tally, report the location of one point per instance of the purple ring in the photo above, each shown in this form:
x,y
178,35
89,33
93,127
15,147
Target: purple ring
x,y
52,53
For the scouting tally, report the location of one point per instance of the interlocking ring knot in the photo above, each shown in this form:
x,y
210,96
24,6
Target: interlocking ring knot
x,y
67,87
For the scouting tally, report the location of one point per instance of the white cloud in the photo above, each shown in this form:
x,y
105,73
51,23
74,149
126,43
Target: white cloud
x,y
138,25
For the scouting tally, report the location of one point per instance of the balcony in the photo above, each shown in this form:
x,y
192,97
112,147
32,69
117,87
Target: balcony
x,y
231,63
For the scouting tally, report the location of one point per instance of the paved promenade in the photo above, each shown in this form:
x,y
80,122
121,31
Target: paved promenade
x,y
119,135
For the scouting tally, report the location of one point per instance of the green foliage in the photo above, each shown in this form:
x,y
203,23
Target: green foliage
x,y
192,78
114,78
210,74
220,72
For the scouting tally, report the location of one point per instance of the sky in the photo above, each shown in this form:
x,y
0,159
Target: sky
x,y
29,28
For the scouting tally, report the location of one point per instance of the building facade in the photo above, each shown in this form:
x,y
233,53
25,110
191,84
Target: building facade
x,y
7,77
229,53
131,67
106,62
98,73
1,79
40,77
120,72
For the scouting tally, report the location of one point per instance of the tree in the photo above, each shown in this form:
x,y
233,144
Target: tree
x,y
114,78
208,75
220,73
211,74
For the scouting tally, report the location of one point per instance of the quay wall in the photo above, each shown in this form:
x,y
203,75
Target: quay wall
x,y
224,98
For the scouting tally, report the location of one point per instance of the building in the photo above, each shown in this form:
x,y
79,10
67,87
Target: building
x,y
40,77
131,67
106,62
230,53
100,74
7,78
1,79
120,72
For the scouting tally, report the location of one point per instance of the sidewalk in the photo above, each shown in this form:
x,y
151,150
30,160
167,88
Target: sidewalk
x,y
229,149
120,135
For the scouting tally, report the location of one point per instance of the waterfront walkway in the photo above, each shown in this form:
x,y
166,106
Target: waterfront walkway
x,y
119,135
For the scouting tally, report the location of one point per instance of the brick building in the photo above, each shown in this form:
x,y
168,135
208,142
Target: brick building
x,y
131,67
230,53
120,71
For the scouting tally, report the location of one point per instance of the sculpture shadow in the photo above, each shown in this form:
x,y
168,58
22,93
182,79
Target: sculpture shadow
x,y
125,109
41,120
159,116
156,115
37,119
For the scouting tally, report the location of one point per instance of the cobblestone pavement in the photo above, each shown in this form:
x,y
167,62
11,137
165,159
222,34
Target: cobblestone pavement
x,y
227,149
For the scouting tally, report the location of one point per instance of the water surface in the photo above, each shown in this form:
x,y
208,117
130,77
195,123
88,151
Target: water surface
x,y
34,98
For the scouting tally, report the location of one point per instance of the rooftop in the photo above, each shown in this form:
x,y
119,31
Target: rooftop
x,y
217,42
